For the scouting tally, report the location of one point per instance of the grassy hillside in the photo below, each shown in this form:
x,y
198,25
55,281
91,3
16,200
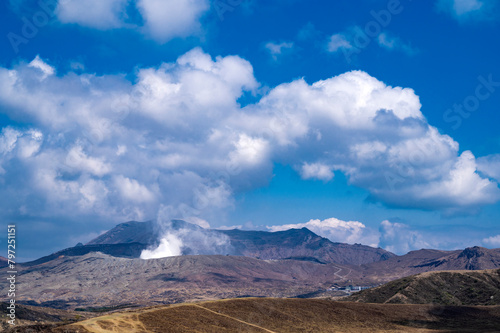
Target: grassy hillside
x,y
445,288
294,315
267,315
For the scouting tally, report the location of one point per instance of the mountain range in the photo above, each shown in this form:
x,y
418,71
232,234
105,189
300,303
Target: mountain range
x,y
215,264
292,243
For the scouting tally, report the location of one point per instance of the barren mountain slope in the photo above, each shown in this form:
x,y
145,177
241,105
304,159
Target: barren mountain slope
x,y
96,279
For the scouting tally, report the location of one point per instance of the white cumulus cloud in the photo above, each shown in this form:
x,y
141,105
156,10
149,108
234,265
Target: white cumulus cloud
x,y
177,135
166,19
493,241
400,238
316,171
132,190
161,20
396,237
45,68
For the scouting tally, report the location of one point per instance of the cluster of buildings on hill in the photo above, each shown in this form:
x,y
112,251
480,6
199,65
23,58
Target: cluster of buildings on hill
x,y
349,289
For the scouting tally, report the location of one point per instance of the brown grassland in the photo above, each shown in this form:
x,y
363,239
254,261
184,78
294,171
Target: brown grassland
x,y
294,315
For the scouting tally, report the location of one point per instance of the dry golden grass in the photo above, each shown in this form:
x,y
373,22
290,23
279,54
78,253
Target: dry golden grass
x,y
294,315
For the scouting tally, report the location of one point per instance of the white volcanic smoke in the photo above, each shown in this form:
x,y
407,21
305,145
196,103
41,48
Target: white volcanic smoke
x,y
181,238
170,246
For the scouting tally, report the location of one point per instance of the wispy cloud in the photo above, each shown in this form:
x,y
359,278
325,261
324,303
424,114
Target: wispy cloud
x,y
353,40
338,42
277,49
308,32
391,43
465,10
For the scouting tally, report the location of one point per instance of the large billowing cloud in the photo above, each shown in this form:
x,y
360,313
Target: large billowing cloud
x,y
177,136
160,19
111,148
377,136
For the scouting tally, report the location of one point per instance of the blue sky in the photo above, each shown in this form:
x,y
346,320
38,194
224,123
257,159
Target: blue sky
x,y
372,122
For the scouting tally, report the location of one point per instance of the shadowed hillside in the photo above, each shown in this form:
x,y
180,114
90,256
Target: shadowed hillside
x,y
131,250
445,288
415,262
